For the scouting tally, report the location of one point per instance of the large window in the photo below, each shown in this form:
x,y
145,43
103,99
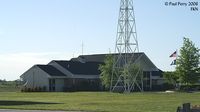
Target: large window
x,y
146,80
52,84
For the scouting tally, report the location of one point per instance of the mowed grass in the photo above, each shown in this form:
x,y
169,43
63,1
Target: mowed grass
x,y
9,89
97,101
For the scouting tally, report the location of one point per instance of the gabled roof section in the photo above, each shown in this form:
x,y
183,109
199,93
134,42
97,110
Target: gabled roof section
x,y
52,71
101,57
79,68
147,62
135,57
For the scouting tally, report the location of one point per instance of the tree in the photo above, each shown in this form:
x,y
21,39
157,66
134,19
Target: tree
x,y
135,76
171,77
188,63
106,71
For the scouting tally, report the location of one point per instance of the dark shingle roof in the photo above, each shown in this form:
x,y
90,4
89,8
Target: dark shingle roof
x,y
135,57
76,67
89,64
52,71
101,57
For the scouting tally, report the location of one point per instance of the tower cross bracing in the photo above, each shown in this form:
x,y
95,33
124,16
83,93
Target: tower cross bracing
x,y
126,46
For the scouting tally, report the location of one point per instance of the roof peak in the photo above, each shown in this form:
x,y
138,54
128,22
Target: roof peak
x,y
51,70
110,53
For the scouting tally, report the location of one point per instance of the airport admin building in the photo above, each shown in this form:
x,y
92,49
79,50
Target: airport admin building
x,y
82,74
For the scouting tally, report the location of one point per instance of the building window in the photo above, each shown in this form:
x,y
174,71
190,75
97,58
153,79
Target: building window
x,y
52,84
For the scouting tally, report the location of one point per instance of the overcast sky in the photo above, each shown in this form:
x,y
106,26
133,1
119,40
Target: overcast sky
x,y
38,31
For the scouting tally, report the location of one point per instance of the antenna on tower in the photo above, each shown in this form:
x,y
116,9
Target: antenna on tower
x,y
126,46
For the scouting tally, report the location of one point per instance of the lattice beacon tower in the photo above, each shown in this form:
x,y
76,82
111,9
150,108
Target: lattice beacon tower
x,y
126,46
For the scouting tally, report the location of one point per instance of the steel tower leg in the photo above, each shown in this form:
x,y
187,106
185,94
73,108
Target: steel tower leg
x,y
126,46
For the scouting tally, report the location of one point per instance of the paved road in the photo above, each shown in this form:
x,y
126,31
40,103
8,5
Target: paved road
x,y
8,110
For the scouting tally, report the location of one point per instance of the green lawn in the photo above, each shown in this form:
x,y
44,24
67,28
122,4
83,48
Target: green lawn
x,y
9,89
98,101
9,86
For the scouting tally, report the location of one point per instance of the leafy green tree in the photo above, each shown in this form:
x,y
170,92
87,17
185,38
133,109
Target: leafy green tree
x,y
171,77
106,71
136,76
134,70
188,63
